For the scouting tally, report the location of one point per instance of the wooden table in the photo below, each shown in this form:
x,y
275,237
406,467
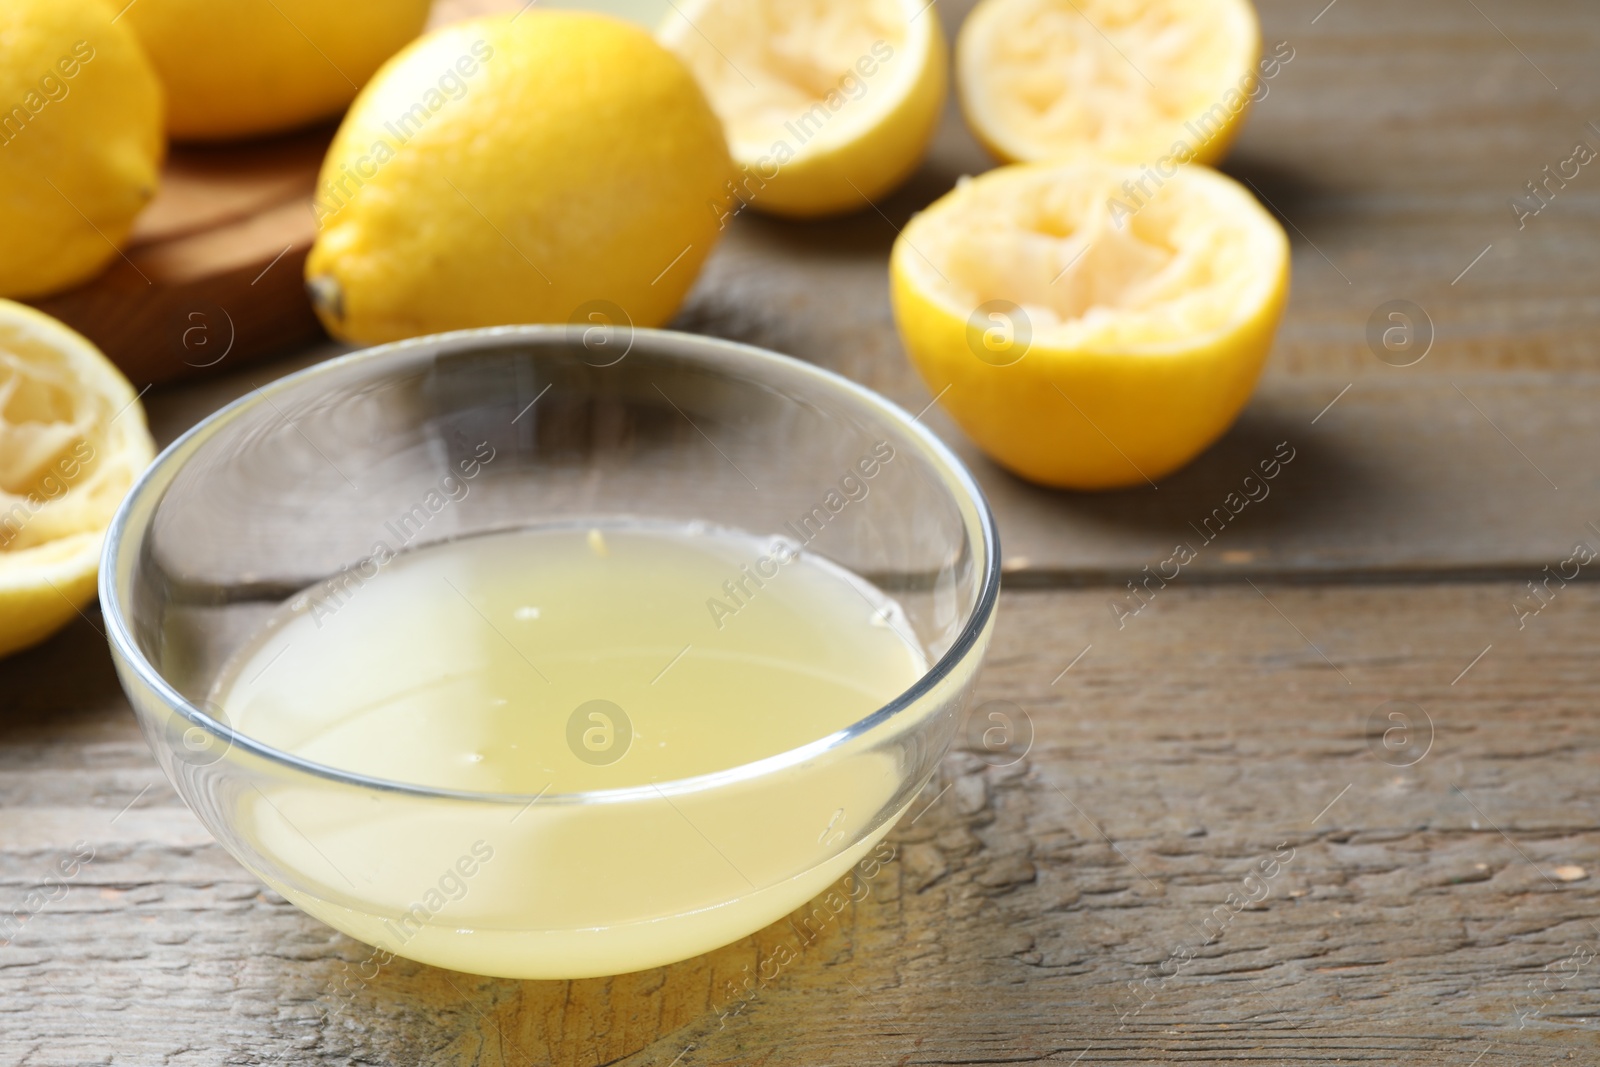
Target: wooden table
x,y
1208,855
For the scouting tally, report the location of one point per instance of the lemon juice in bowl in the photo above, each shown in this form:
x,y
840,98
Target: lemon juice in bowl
x,y
569,661
652,666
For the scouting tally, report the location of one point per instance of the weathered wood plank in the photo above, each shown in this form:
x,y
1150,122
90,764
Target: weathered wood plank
x,y
1393,143
1476,475
1372,141
1204,737
1404,475
1185,746
213,268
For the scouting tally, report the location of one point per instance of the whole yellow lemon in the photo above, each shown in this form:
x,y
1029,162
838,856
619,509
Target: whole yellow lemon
x,y
80,141
539,167
241,68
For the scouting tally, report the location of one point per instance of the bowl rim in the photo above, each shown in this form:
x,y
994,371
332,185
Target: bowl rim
x,y
715,353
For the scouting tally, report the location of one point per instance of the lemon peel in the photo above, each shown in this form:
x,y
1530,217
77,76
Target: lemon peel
x,y
1080,347
72,441
80,141
252,67
828,104
1132,80
569,177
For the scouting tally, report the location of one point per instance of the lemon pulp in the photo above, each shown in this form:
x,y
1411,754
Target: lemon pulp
x,y
1045,79
776,62
1132,311
827,104
72,440
553,662
1095,261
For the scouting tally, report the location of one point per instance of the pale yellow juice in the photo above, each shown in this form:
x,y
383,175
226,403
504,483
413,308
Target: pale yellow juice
x,y
617,662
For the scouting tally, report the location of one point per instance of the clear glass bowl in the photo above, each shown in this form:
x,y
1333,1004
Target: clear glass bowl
x,y
295,482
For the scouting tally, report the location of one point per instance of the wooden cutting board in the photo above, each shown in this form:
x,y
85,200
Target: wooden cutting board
x,y
210,279
211,276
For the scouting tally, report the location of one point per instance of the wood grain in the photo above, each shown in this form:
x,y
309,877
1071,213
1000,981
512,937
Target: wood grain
x,y
1168,763
212,272
1487,474
213,268
1057,910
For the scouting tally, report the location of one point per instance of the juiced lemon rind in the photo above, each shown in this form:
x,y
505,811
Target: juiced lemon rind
x,y
1136,82
828,104
72,442
1135,347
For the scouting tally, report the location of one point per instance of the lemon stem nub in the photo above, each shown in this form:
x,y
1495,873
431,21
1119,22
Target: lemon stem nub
x,y
327,296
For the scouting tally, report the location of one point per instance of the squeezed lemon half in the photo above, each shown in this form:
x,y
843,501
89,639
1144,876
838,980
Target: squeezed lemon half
x,y
828,104
1084,337
1134,80
72,441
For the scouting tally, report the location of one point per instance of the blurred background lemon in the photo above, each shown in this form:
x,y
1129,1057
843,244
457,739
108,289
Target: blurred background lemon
x,y
647,13
517,169
80,141
1124,79
828,105
242,68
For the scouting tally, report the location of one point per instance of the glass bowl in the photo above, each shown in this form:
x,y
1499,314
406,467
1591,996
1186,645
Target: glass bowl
x,y
295,484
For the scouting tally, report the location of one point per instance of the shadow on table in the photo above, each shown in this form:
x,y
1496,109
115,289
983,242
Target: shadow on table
x,y
1310,495
61,686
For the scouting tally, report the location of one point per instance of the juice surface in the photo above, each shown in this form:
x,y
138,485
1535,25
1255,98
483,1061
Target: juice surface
x,y
572,660
552,662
